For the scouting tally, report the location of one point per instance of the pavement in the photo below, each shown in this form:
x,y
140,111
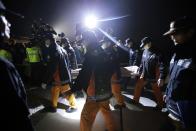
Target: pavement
x,y
142,117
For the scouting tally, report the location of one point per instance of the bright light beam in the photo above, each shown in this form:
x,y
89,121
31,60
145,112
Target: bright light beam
x,y
90,21
113,18
113,40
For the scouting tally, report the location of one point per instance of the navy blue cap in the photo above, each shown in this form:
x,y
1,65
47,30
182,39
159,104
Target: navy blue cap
x,y
180,24
144,41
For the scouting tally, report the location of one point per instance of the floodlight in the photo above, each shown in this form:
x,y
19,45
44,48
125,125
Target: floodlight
x,y
90,21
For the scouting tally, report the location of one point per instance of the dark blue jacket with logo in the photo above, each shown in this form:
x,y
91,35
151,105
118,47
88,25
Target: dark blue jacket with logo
x,y
182,82
150,64
134,57
181,89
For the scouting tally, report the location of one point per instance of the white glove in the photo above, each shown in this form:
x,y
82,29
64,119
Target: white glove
x,y
44,85
142,76
160,82
164,98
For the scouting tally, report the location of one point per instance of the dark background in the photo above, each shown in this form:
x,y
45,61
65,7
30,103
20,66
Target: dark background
x,y
147,17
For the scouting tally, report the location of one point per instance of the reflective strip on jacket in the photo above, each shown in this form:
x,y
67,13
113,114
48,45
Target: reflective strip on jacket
x,y
33,54
5,54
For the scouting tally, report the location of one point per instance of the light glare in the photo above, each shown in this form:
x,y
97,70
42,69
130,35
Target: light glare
x,y
90,21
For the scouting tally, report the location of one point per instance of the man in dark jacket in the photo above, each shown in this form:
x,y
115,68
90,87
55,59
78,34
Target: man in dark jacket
x,y
134,60
14,107
152,71
180,95
100,79
71,53
58,72
134,54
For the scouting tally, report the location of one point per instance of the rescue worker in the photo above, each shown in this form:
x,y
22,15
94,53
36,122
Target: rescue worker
x,y
180,95
151,70
71,53
14,101
34,57
58,72
100,79
134,59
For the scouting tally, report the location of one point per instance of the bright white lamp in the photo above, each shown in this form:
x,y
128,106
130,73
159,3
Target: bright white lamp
x,y
90,21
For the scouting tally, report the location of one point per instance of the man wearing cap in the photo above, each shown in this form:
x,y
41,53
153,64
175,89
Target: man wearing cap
x,y
152,71
134,59
13,96
180,95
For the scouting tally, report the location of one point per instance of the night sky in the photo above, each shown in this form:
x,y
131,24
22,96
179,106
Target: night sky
x,y
147,17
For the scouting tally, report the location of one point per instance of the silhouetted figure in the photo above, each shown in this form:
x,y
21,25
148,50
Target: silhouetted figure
x,y
14,109
100,79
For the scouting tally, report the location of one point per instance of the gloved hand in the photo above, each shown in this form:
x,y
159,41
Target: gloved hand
x,y
164,98
118,106
142,76
44,85
160,82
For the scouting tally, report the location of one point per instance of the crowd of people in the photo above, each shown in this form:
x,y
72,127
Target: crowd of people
x,y
54,56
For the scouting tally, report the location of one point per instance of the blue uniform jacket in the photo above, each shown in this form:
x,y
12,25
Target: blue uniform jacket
x,y
182,82
149,64
181,89
13,99
58,57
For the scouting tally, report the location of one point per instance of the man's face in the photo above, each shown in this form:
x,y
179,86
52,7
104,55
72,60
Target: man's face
x,y
47,43
180,38
4,27
147,46
130,44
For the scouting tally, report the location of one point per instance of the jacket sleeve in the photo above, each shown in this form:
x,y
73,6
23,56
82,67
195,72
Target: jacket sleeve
x,y
13,89
83,77
141,67
162,67
51,68
136,60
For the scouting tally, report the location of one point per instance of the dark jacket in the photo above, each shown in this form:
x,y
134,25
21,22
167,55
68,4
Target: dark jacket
x,y
182,82
58,59
134,57
181,89
14,101
150,64
102,64
72,57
